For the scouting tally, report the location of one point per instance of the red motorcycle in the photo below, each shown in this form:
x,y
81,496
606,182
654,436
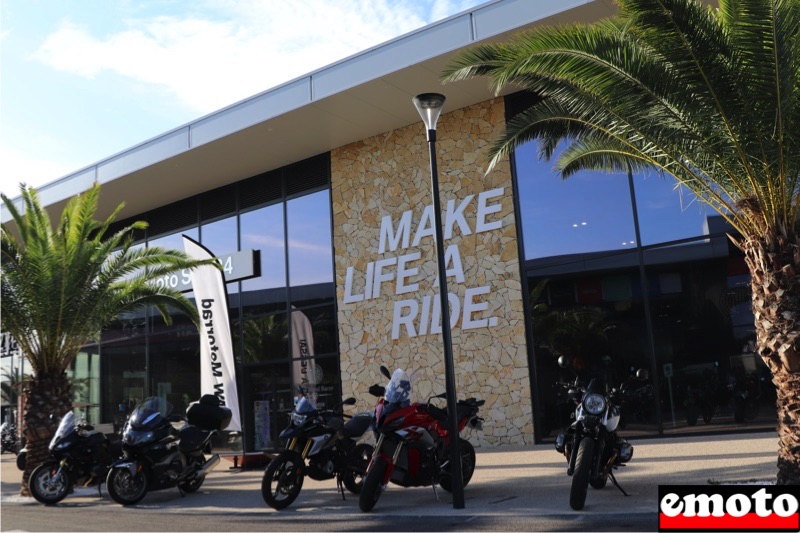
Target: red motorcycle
x,y
412,448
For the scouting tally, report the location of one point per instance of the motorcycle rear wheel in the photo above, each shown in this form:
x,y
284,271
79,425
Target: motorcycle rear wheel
x,y
194,484
355,472
580,478
467,467
373,485
283,480
126,488
48,485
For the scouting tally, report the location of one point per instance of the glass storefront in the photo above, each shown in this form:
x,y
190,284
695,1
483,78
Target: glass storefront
x,y
675,304
282,320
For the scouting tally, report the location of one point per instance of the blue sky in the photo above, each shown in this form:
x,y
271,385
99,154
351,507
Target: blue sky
x,y
81,80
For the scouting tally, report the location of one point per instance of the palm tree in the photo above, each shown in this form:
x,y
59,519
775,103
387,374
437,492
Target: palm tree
x,y
61,285
709,96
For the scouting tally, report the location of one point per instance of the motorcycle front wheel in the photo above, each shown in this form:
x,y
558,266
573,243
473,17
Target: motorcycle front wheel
x,y
283,480
373,484
580,478
467,467
126,488
354,473
48,485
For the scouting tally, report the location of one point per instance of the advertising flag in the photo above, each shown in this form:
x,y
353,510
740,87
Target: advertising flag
x,y
217,371
304,371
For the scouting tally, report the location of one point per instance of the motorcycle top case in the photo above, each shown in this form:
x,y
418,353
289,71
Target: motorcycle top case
x,y
208,414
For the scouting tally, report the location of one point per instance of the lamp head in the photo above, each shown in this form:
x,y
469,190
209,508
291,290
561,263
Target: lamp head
x,y
429,106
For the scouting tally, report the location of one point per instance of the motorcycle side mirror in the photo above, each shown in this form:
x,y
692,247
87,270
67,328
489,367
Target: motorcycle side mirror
x,y
349,401
385,372
301,390
377,390
563,361
642,374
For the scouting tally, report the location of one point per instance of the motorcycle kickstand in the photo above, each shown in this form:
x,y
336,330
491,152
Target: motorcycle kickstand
x,y
435,492
340,486
614,481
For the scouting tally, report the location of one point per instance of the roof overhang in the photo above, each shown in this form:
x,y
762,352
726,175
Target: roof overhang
x,y
364,95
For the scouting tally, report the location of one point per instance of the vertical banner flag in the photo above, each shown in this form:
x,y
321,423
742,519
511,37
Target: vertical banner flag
x,y
304,371
217,371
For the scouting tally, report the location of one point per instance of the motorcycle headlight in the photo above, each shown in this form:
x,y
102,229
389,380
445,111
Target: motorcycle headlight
x,y
298,419
594,403
60,445
134,438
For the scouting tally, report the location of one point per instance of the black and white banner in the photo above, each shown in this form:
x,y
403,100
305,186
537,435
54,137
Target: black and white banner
x,y
304,370
217,371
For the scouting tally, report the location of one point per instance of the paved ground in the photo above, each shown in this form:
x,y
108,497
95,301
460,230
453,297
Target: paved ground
x,y
521,485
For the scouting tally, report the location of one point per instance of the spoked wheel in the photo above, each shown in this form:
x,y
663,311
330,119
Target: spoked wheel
x,y
125,487
357,462
283,480
373,484
580,478
467,467
49,485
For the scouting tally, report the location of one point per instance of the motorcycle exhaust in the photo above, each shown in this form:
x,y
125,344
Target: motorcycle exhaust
x,y
208,466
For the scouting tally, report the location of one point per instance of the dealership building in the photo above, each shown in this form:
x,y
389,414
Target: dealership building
x,y
318,194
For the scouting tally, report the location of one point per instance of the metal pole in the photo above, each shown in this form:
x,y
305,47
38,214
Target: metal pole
x,y
449,368
651,344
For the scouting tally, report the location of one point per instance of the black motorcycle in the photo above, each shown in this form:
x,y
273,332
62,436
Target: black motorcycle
x,y
8,434
80,456
322,445
157,456
636,399
591,444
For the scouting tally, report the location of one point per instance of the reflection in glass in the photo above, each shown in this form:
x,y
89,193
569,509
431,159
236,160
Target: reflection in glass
x,y
265,338
589,212
262,230
310,239
219,236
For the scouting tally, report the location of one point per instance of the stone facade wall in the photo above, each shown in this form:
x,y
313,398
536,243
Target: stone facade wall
x,y
389,175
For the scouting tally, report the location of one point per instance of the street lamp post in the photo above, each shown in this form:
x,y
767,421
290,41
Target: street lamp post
x,y
430,106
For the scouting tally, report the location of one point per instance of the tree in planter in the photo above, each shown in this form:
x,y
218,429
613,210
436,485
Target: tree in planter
x,y
60,285
709,96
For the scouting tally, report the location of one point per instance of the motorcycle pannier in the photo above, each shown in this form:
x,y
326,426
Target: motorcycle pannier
x,y
191,439
208,414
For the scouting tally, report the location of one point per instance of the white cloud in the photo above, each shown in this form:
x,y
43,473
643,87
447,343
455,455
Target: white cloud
x,y
210,63
19,167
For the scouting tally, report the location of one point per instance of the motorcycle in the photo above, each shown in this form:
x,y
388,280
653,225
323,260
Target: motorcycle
x,y
80,456
636,398
412,448
320,445
591,445
8,434
157,456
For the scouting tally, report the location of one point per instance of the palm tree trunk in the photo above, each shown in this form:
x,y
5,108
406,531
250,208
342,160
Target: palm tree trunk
x,y
774,263
45,395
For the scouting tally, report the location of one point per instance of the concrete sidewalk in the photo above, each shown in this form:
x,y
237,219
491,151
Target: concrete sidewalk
x,y
528,481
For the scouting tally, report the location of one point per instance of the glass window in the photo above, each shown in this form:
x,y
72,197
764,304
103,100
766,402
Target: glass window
x,y
589,212
310,242
123,378
174,359
220,236
262,230
265,338
268,390
667,211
